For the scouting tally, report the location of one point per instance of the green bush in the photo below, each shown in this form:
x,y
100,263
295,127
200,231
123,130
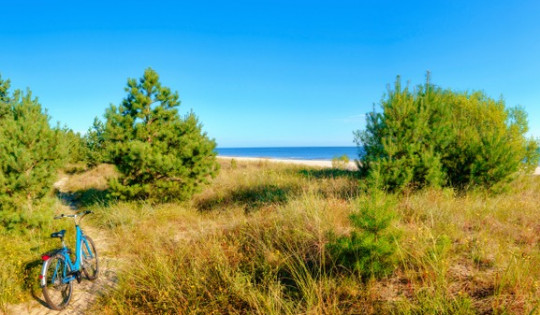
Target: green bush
x,y
30,153
74,146
234,164
370,248
341,162
160,155
431,136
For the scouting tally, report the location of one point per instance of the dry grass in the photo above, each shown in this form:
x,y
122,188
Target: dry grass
x,y
95,178
21,250
254,242
21,253
476,248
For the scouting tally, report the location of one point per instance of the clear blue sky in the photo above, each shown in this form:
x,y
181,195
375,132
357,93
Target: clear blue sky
x,y
269,73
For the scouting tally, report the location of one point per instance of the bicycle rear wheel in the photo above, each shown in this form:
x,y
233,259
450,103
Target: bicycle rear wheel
x,y
57,293
90,264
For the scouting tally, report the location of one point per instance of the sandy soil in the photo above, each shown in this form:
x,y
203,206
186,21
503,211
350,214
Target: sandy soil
x,y
317,163
85,293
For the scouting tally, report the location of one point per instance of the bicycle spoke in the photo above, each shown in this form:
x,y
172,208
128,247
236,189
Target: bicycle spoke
x,y
57,290
90,259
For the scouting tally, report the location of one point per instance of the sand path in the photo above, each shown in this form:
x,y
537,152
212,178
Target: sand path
x,y
85,293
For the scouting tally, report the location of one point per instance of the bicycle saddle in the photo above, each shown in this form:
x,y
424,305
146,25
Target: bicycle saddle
x,y
59,234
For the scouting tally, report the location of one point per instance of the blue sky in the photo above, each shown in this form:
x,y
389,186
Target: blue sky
x,y
269,73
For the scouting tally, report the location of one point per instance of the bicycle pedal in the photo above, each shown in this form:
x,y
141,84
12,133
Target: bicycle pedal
x,y
77,275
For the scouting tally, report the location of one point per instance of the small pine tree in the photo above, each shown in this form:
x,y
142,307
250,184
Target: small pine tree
x,y
74,145
30,153
370,248
160,155
96,151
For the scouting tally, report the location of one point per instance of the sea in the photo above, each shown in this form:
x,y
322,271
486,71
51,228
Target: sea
x,y
292,153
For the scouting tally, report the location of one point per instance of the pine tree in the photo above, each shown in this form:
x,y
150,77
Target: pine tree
x,y
160,155
74,145
438,137
30,153
4,90
96,151
370,248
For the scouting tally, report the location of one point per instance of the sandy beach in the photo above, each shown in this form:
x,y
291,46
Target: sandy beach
x,y
317,163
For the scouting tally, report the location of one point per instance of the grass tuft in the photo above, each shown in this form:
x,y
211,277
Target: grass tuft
x,y
256,242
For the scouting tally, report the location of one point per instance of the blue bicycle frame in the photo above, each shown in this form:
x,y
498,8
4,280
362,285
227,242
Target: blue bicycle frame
x,y
73,266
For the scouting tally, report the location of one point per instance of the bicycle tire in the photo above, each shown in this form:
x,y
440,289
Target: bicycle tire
x,y
54,286
90,267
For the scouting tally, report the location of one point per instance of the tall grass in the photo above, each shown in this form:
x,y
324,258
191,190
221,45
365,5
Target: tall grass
x,y
21,250
255,242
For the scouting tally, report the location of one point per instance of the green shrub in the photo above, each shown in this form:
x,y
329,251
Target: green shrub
x,y
340,162
73,145
159,155
431,136
234,164
370,248
96,150
30,153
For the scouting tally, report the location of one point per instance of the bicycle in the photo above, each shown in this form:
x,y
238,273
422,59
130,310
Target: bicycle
x,y
58,271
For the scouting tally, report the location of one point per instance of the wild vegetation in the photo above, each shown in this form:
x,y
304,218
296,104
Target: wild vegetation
x,y
432,136
258,240
30,154
341,162
421,229
31,151
96,150
159,155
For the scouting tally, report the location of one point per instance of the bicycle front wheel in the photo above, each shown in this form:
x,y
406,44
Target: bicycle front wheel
x,y
90,265
57,291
